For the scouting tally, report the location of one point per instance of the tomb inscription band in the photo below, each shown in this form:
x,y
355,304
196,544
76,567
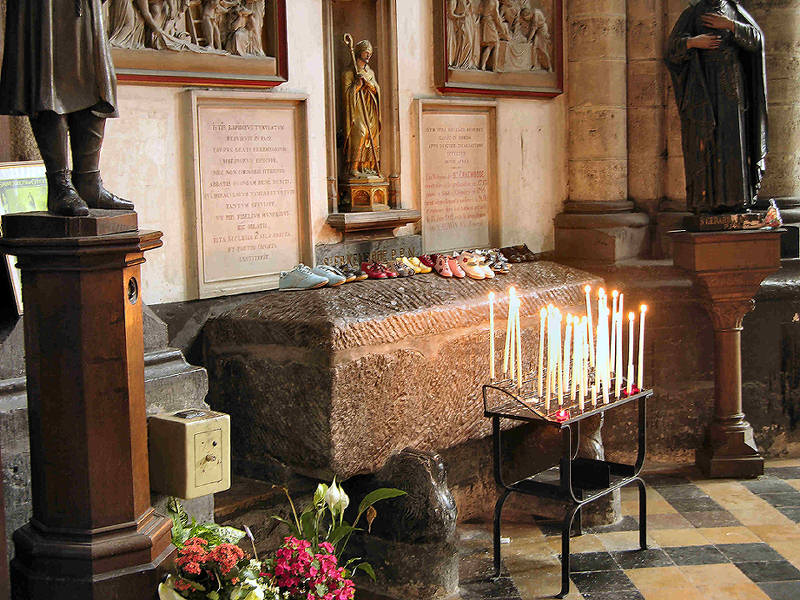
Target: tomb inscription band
x,y
457,175
250,195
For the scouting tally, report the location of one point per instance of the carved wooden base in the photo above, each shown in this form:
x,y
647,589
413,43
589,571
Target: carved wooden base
x,y
93,533
366,195
728,268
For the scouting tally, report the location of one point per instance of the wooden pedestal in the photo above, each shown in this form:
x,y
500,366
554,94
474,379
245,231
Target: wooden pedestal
x,y
93,533
728,268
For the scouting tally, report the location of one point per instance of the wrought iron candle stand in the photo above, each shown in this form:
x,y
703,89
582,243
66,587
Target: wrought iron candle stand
x,y
580,480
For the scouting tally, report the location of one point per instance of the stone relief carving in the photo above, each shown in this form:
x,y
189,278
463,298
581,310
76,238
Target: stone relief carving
x,y
204,26
498,35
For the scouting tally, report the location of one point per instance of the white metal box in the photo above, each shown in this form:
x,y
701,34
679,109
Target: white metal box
x,y
190,453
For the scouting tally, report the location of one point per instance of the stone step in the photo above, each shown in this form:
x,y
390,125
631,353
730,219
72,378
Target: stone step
x,y
244,495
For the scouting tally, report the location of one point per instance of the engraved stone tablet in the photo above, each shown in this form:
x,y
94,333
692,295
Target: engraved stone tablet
x,y
457,175
250,188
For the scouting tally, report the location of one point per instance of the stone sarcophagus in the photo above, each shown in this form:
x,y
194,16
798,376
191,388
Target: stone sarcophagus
x,y
335,381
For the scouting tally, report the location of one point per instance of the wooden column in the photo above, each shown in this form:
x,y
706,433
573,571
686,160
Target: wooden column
x,y
728,268
93,533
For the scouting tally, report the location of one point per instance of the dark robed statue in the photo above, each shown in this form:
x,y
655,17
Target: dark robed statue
x,y
716,58
57,70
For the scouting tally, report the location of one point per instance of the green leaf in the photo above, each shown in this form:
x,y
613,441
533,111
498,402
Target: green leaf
x,y
212,595
339,532
308,525
378,495
289,524
367,568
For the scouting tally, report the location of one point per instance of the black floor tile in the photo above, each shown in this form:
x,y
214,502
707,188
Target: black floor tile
x,y
749,552
602,581
682,492
478,566
764,571
711,518
660,481
782,498
684,505
781,590
696,555
792,512
618,595
767,485
628,523
783,472
592,561
640,559
499,589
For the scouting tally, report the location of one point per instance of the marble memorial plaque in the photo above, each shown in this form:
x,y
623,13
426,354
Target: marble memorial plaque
x,y
457,175
250,188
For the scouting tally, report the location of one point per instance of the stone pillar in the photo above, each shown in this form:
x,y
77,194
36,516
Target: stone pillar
x,y
779,20
728,268
94,533
598,224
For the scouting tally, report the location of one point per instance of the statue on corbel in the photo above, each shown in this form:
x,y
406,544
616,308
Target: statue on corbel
x,y
365,188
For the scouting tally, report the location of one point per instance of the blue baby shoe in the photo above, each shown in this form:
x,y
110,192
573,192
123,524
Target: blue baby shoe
x,y
300,278
334,275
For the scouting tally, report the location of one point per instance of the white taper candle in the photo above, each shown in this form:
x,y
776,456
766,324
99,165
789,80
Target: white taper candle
x,y
640,380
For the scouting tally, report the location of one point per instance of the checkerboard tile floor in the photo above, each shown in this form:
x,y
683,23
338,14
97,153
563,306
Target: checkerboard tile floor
x,y
708,539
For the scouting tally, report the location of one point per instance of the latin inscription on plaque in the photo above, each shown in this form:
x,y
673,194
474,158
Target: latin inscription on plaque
x,y
248,186
456,185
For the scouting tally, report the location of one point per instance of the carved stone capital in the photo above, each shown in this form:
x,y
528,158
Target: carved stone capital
x,y
727,315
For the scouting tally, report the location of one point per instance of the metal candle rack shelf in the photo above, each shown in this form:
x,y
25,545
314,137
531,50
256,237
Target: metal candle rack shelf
x,y
580,480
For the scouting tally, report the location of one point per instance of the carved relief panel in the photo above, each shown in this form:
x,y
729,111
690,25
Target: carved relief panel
x,y
238,43
499,47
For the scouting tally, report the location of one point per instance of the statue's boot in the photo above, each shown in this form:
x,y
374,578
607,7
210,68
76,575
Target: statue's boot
x,y
50,131
86,132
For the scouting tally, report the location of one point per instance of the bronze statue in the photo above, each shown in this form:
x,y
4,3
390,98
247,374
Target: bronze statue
x,y
715,55
57,70
362,107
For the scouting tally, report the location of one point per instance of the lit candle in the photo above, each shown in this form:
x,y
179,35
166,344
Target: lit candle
x,y
550,337
574,391
640,380
631,319
586,358
620,317
506,355
567,344
614,296
618,358
491,336
512,357
542,324
594,395
588,289
519,343
559,372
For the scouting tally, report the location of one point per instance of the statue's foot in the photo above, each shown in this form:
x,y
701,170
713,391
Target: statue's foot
x,y
90,187
62,198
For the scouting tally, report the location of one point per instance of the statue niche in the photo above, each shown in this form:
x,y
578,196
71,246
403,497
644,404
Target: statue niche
x,y
498,35
225,27
365,188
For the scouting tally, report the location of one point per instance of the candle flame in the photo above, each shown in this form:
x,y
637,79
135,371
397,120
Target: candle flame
x,y
491,296
643,308
587,288
631,316
543,312
601,292
512,291
615,293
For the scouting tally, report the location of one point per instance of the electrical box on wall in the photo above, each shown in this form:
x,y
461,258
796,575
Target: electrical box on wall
x,y
190,453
